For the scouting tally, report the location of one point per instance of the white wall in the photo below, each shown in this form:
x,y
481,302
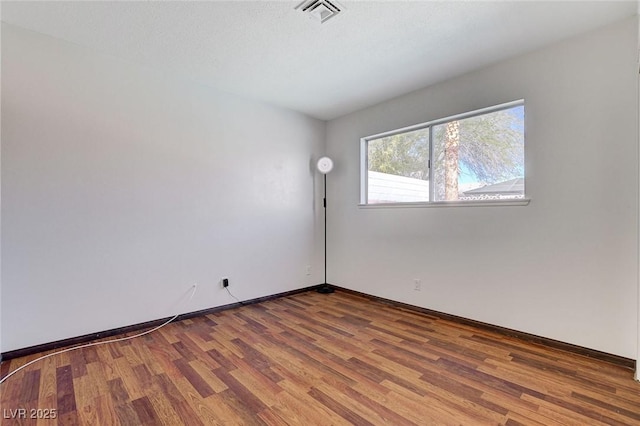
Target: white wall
x,y
565,266
637,375
122,186
0,194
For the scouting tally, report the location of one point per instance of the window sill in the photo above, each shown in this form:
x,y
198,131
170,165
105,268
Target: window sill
x,y
487,203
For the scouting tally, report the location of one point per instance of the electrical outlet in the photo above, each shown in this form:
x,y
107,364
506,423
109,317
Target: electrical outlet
x,y
417,284
308,269
225,282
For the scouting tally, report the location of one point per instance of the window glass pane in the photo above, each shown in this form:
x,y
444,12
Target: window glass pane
x,y
480,157
398,168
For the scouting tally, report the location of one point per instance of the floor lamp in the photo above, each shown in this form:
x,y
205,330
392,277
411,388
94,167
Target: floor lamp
x,y
325,165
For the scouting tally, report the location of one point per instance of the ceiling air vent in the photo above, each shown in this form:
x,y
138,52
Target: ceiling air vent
x,y
320,10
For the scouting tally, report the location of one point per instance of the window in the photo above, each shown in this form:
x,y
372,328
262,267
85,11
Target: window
x,y
473,157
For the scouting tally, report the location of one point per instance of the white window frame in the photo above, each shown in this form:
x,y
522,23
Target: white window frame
x,y
364,166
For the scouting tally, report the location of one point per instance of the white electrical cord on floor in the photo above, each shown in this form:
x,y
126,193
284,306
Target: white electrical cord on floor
x,y
193,291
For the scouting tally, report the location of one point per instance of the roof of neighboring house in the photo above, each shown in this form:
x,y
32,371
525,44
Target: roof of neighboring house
x,y
513,186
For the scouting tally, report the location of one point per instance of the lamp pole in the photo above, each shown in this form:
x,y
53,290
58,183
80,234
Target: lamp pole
x,y
325,165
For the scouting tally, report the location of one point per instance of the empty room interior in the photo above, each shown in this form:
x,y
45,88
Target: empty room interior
x,y
320,212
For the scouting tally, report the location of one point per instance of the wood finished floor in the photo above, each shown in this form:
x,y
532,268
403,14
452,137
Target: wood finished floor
x,y
318,359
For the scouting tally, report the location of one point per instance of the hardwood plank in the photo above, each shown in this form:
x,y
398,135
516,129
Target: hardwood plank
x,y
118,392
100,412
127,414
85,390
613,402
177,401
78,363
90,354
65,390
221,361
337,408
145,411
448,413
96,376
185,352
580,415
323,360
250,401
130,353
633,415
132,385
361,403
262,386
242,413
30,386
272,418
166,414
301,406
207,373
200,406
67,419
47,397
198,383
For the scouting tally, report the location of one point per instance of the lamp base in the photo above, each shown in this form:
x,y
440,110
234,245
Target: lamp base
x,y
325,289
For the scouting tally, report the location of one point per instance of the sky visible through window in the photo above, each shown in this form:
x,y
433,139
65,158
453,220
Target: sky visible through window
x,y
466,176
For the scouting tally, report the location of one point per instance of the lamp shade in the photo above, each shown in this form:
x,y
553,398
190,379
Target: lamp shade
x,y
325,165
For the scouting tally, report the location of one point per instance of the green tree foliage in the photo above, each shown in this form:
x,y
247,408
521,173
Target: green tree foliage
x,y
404,154
490,146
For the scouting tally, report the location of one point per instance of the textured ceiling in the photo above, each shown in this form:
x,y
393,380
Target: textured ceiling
x,y
268,51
